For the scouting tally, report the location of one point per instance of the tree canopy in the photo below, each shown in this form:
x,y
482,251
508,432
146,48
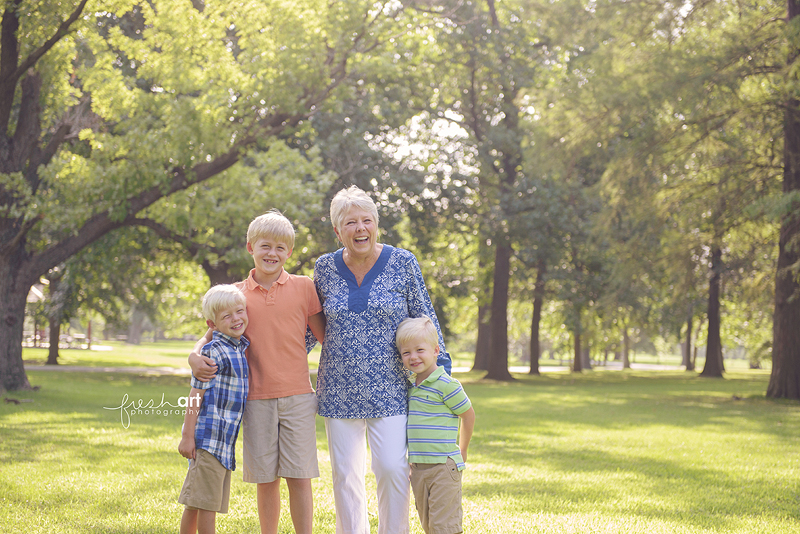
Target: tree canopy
x,y
592,169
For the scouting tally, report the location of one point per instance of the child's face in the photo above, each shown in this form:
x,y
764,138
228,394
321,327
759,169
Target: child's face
x,y
269,255
419,357
231,321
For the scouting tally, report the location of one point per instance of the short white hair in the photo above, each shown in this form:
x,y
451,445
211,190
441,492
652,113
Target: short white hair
x,y
347,199
221,297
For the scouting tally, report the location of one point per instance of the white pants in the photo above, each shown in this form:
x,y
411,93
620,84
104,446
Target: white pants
x,y
347,445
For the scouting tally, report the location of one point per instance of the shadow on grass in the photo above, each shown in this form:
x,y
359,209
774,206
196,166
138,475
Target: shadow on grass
x,y
87,415
615,400
635,485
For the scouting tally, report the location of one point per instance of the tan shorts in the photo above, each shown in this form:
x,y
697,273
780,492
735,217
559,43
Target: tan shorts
x,y
280,438
207,485
437,495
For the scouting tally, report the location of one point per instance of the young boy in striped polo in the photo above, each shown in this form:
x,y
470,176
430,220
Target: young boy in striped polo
x,y
436,451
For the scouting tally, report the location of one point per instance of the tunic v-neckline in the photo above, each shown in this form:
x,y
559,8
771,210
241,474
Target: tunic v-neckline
x,y
358,295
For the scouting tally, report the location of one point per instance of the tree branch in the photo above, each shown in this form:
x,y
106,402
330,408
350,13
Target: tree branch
x,y
193,247
24,229
63,30
52,146
9,55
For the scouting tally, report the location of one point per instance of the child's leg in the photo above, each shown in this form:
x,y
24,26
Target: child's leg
x,y
206,521
419,488
439,489
301,504
297,444
268,497
189,521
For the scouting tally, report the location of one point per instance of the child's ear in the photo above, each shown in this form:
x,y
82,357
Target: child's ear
x,y
249,248
436,349
211,324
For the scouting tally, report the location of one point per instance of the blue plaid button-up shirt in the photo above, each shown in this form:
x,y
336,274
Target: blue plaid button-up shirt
x,y
223,403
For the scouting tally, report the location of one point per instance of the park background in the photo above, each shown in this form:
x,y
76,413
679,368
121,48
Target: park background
x,y
589,187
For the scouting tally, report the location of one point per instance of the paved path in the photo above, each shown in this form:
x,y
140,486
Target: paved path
x,y
179,371
155,371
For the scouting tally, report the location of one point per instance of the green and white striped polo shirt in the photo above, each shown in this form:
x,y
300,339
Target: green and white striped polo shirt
x,y
433,410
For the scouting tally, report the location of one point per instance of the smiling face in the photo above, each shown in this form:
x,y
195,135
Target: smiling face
x,y
231,320
269,255
419,357
358,232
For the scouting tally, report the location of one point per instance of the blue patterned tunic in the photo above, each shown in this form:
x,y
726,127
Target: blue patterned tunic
x,y
361,375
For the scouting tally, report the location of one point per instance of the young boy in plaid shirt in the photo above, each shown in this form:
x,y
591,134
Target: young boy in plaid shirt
x,y
214,413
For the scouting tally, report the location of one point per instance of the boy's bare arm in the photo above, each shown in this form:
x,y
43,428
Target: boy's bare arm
x,y
203,368
465,435
187,446
317,325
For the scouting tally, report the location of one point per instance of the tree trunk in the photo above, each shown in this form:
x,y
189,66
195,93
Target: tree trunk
x,y
55,334
136,327
626,349
586,356
687,352
55,315
498,362
784,381
538,299
35,330
713,367
220,273
14,287
577,366
483,345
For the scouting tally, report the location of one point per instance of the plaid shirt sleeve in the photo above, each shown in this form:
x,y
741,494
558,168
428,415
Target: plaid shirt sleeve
x,y
223,404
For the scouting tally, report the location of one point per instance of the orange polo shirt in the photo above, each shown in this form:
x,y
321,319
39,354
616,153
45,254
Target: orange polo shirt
x,y
276,329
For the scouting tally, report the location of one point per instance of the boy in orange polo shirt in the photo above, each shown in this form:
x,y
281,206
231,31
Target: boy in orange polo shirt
x,y
279,418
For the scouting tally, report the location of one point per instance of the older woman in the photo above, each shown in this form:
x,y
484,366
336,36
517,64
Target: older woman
x,y
366,289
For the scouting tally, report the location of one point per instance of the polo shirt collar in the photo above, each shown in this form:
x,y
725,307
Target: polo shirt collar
x,y
230,340
252,285
434,376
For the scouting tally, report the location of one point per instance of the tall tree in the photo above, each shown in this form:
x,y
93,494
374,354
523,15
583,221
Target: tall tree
x,y
784,380
210,82
489,54
675,94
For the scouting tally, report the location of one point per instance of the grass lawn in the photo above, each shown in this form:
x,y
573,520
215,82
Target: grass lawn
x,y
602,452
118,354
174,353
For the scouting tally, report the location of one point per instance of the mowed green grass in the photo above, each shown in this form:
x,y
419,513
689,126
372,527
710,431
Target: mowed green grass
x,y
173,353
162,354
602,452
118,354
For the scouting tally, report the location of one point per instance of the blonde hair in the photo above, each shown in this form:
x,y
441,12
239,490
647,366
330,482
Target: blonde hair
x,y
347,199
221,297
272,224
417,328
